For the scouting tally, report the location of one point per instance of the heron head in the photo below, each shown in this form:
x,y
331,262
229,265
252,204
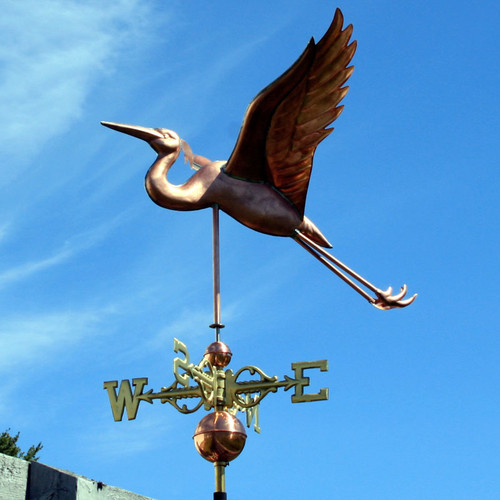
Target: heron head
x,y
162,140
168,142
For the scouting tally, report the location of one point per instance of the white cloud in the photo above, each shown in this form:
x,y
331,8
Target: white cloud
x,y
51,54
106,437
189,324
25,338
4,232
30,341
71,247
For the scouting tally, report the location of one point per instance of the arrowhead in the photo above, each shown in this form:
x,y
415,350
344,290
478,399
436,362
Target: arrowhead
x,y
290,382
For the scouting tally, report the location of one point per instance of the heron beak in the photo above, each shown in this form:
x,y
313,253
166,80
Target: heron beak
x,y
144,133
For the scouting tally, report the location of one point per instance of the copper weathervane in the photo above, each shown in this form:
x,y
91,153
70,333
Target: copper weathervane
x,y
263,185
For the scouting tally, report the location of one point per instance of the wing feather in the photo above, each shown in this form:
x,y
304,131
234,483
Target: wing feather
x,y
285,123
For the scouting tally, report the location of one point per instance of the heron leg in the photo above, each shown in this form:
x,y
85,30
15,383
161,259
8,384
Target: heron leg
x,y
384,300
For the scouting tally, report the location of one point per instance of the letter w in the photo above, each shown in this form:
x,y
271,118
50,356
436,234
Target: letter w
x,y
125,399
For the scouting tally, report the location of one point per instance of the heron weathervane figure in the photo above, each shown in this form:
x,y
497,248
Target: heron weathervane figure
x,y
264,183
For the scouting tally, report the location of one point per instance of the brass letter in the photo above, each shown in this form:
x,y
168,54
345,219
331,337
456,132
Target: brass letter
x,y
182,378
252,412
125,399
298,368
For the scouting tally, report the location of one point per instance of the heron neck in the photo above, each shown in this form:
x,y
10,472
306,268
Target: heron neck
x,y
159,189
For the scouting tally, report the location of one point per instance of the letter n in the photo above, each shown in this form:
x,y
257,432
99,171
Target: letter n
x,y
125,399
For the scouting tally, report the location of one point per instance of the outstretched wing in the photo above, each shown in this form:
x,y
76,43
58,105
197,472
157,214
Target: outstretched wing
x,y
285,122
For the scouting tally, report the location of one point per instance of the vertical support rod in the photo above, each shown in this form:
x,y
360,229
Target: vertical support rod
x,y
220,481
216,271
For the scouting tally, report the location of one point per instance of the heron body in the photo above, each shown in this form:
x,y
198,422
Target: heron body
x,y
258,206
264,183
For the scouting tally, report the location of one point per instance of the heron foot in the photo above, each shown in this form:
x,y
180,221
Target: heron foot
x,y
385,300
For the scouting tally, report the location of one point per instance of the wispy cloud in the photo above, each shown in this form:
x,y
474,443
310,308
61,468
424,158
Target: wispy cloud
x,y
25,338
30,341
189,324
106,438
51,54
4,231
69,249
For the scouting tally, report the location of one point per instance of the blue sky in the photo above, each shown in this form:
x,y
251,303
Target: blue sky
x,y
96,280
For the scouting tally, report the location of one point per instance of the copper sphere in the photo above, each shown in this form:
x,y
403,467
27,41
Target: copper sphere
x,y
218,354
219,437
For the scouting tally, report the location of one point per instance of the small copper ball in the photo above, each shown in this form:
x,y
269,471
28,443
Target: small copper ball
x,y
219,437
218,354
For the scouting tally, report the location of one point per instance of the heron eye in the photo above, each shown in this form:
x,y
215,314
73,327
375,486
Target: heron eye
x,y
162,131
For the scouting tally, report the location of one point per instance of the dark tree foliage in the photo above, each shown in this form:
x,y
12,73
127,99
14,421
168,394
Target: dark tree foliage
x,y
8,446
